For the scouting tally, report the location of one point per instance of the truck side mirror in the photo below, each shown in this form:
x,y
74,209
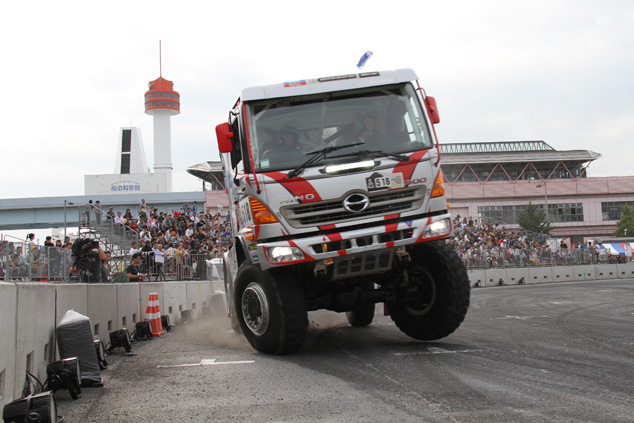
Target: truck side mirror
x,y
433,109
225,137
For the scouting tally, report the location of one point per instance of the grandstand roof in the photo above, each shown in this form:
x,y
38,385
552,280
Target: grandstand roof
x,y
511,152
207,171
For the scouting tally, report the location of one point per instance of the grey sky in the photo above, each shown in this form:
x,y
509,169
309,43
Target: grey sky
x,y
73,73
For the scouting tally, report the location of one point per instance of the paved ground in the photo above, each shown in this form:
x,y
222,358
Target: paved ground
x,y
536,353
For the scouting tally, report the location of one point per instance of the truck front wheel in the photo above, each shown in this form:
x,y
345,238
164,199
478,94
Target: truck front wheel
x,y
437,296
271,310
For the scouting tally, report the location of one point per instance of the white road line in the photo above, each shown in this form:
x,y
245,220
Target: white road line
x,y
206,362
439,351
519,317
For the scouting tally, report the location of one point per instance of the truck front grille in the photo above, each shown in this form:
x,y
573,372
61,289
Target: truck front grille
x,y
332,211
362,264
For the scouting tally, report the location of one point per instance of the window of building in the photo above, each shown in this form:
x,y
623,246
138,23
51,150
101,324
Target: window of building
x,y
564,212
611,210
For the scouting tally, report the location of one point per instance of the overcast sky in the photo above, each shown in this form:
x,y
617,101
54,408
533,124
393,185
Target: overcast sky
x,y
74,73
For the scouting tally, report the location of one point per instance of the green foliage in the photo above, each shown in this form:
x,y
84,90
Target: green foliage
x,y
533,220
626,224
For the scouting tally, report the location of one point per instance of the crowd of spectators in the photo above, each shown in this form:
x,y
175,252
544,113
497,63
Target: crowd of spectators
x,y
189,229
485,245
174,240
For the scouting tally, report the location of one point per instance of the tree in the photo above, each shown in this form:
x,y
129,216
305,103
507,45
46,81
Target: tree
x,y
626,224
533,220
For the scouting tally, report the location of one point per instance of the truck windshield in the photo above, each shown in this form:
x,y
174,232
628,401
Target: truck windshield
x,y
283,131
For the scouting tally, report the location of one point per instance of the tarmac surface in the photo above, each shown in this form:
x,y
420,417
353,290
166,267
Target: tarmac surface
x,y
533,353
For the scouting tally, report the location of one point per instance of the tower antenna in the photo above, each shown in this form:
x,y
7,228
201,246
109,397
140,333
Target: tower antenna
x,y
160,61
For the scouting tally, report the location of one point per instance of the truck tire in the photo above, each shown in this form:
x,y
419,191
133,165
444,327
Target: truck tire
x,y
438,294
364,314
271,310
361,316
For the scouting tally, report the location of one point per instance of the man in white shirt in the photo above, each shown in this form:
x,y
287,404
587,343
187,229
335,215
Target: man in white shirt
x,y
133,250
159,259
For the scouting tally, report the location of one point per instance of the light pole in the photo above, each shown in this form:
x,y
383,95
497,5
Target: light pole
x,y
70,203
545,198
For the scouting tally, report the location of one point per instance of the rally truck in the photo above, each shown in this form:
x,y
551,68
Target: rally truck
x,y
337,202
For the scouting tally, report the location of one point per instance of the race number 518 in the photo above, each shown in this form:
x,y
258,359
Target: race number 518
x,y
383,182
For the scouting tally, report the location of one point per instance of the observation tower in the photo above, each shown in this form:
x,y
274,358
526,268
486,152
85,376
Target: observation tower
x,y
162,102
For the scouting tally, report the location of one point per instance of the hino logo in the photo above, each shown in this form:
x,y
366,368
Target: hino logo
x,y
297,199
356,203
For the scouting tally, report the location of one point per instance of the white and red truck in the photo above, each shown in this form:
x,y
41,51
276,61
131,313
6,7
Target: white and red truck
x,y
336,201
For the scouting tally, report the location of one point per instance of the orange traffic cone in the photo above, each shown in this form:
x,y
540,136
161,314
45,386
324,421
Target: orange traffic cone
x,y
153,314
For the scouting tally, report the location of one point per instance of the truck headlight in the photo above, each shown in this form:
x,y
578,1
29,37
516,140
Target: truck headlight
x,y
284,254
440,227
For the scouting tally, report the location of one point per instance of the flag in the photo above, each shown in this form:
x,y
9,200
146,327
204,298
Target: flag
x,y
366,56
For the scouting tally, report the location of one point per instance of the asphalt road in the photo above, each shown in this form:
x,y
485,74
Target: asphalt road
x,y
533,353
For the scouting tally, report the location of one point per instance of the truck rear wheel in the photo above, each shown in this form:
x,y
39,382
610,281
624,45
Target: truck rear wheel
x,y
363,314
438,293
271,310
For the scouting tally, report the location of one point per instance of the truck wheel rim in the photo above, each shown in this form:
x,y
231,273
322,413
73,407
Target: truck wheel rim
x,y
426,298
255,309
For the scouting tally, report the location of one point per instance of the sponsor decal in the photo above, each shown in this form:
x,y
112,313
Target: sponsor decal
x,y
382,181
336,78
298,199
415,181
295,83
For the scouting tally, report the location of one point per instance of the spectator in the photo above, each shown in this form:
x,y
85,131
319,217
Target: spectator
x,y
133,271
133,250
180,255
143,208
159,259
98,211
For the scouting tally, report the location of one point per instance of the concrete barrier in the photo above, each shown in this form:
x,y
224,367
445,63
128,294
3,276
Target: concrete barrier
x,y
584,272
562,273
128,307
8,324
514,274
174,300
35,328
625,270
539,275
605,271
476,276
102,309
198,296
493,276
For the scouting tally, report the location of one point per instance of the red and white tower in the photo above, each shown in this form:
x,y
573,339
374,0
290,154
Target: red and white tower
x,y
161,101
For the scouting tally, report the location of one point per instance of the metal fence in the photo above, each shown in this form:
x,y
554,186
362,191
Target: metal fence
x,y
20,261
522,257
